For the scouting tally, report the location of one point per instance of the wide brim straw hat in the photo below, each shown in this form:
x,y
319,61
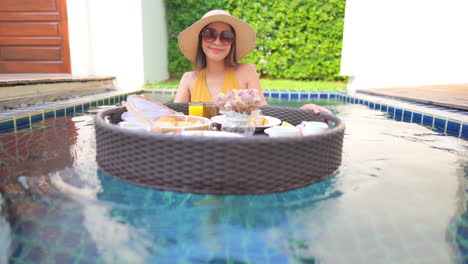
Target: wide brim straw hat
x,y
245,34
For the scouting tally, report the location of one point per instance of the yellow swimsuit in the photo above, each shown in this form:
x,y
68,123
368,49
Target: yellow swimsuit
x,y
200,91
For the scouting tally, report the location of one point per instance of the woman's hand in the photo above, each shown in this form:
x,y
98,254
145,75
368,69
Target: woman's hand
x,y
316,108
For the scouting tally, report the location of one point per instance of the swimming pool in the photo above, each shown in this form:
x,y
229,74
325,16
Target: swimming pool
x,y
399,197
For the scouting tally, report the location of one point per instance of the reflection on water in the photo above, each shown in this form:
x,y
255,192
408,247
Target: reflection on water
x,y
390,203
5,234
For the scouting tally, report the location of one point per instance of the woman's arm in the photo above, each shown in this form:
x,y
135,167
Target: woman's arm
x,y
183,92
316,108
253,81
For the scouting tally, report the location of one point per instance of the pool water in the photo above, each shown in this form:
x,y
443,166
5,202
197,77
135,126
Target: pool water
x,y
399,197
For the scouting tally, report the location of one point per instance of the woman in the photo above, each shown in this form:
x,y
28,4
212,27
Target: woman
x,y
215,44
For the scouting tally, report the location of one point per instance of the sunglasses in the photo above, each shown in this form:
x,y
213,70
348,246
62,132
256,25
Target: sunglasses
x,y
209,35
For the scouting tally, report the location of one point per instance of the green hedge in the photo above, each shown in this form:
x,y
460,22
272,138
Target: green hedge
x,y
297,39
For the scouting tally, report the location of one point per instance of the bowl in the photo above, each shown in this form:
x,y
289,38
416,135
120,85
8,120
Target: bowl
x,y
312,127
282,131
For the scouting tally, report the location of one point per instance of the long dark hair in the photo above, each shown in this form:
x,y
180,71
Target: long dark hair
x,y
200,59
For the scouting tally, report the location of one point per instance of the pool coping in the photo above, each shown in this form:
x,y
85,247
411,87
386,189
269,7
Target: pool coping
x,y
451,122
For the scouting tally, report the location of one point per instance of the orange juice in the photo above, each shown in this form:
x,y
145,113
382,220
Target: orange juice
x,y
195,109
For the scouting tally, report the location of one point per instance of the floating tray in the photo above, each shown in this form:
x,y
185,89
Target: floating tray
x,y
216,165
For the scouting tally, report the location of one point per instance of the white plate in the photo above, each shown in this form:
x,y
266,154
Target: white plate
x,y
209,133
127,116
272,121
135,126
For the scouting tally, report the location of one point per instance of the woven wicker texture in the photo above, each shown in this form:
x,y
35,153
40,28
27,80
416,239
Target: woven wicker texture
x,y
246,165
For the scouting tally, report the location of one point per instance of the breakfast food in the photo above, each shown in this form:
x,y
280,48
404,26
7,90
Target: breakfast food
x,y
260,121
171,123
286,124
174,121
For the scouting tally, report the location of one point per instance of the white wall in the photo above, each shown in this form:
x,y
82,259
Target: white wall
x,y
155,41
107,38
389,43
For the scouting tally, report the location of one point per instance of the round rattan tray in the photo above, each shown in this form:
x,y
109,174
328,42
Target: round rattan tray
x,y
210,165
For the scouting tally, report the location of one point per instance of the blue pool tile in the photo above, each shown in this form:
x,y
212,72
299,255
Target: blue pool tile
x,y
427,120
94,103
439,125
70,110
391,109
384,108
417,118
22,123
78,108
275,95
323,96
304,96
464,133
361,101
453,128
60,112
398,114
314,96
371,105
266,94
377,106
407,115
332,96
294,96
285,96
106,101
7,126
35,117
49,114
168,92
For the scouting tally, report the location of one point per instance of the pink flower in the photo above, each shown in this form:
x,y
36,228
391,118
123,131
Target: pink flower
x,y
242,101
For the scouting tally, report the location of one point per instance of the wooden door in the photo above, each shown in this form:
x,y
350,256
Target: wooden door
x,y
34,36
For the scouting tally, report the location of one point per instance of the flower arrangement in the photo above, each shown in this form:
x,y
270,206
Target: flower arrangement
x,y
243,101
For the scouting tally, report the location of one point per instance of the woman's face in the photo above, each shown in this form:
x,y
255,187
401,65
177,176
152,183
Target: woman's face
x,y
217,50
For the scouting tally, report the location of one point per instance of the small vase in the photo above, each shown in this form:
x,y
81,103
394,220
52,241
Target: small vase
x,y
239,123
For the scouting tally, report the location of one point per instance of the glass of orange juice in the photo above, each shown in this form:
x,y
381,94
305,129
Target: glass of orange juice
x,y
195,109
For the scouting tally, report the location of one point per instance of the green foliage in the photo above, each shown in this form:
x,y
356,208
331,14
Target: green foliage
x,y
180,15
275,85
296,39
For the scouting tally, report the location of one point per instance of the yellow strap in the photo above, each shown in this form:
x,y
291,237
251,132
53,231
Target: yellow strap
x,y
200,91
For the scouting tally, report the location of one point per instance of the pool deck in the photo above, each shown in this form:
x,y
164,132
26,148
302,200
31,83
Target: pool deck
x,y
451,96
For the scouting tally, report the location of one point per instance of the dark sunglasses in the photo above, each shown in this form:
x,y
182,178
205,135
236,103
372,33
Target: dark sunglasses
x,y
209,35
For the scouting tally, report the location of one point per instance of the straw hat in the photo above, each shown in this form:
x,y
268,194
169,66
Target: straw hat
x,y
245,34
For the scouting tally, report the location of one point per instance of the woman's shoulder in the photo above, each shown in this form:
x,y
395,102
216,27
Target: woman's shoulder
x,y
188,79
246,69
190,75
